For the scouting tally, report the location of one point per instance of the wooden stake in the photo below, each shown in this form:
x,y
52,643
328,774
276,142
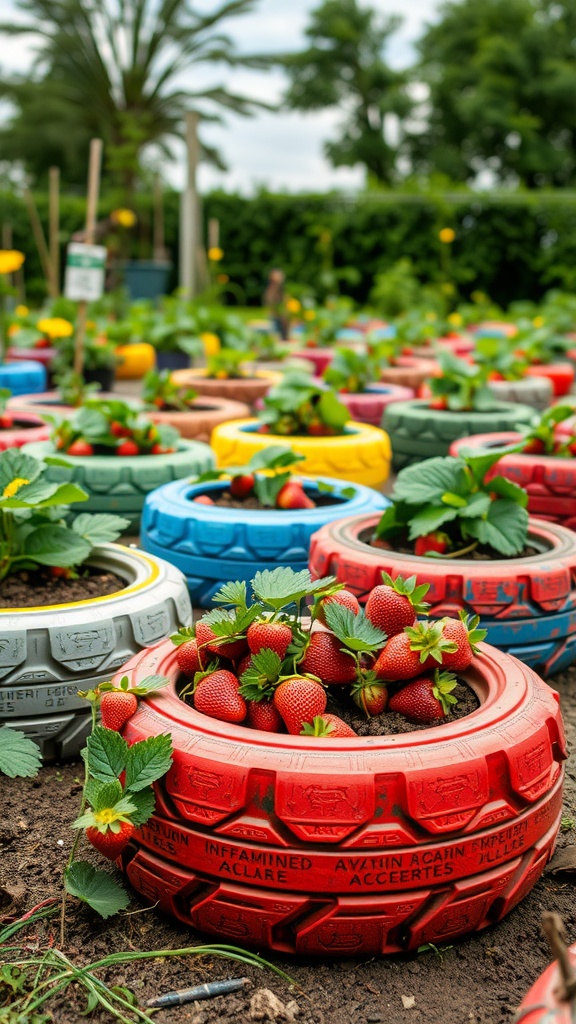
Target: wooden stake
x,y
91,208
54,228
213,233
39,238
159,251
189,211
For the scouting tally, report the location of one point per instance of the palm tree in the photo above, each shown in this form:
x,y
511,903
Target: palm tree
x,y
114,69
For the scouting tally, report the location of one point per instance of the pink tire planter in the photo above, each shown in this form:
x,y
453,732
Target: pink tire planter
x,y
410,372
39,355
369,405
549,481
320,358
203,415
26,427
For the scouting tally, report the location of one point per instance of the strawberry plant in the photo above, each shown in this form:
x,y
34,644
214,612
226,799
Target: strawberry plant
x,y
112,427
462,385
541,437
539,343
298,406
500,358
352,371
445,507
33,532
160,392
327,321
227,364
73,389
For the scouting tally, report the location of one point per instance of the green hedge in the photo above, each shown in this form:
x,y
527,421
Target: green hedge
x,y
511,246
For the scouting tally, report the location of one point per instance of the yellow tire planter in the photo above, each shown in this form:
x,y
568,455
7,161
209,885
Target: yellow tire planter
x,y
135,360
361,455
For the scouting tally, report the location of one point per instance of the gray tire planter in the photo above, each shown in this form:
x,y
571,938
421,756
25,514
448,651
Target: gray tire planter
x,y
527,604
534,391
199,420
549,481
418,432
211,544
48,653
369,405
120,484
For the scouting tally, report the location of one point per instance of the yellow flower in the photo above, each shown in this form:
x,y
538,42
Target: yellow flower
x,y
124,218
293,305
455,319
55,327
538,321
310,314
21,311
14,486
211,343
10,260
215,254
446,235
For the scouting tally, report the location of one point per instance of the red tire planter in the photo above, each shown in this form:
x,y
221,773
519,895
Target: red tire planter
x,y
39,355
561,375
364,845
540,1005
26,428
550,481
410,372
527,604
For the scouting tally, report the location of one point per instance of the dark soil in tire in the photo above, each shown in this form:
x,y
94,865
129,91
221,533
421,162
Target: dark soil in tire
x,y
31,589
479,980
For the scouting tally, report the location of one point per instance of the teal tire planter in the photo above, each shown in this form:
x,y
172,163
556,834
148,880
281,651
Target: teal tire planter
x,y
50,652
211,544
418,432
119,484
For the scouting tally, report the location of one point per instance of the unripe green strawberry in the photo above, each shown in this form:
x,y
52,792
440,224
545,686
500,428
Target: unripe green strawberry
x,y
273,635
325,659
217,696
110,844
298,700
116,707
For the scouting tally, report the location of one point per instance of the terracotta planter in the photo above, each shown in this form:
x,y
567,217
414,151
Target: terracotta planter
x,y
410,372
204,414
241,389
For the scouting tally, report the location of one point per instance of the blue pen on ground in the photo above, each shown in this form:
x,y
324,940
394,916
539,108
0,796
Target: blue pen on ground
x,y
189,995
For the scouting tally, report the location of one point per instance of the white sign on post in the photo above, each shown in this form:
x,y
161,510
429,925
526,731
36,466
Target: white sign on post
x,y
85,269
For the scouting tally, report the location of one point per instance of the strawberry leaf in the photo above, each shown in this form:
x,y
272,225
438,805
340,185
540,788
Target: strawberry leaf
x,y
184,634
232,593
102,794
100,528
430,519
279,587
355,631
147,761
96,888
508,489
258,679
106,754
426,482
267,488
144,801
227,624
149,685
504,529
19,755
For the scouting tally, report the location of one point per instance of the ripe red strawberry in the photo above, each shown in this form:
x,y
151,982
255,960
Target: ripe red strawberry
x,y
119,430
263,715
534,447
325,659
242,485
371,695
465,634
343,597
293,495
320,430
207,640
128,448
188,658
440,402
60,572
395,603
406,654
116,707
243,664
329,726
436,541
6,421
298,700
217,696
80,447
274,635
110,844
159,449
203,499
427,698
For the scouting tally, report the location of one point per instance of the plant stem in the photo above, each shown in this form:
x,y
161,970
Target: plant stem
x,y
462,551
76,837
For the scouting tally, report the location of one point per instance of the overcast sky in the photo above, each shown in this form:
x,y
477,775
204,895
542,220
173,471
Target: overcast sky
x,y
281,150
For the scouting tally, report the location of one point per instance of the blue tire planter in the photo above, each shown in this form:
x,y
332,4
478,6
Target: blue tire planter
x,y
211,544
26,376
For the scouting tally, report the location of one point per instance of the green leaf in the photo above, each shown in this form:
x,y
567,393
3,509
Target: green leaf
x,y
393,520
19,755
147,761
332,411
149,685
96,888
101,795
282,586
100,528
267,488
232,593
505,529
144,801
56,545
276,456
477,506
508,489
431,518
107,754
426,482
355,631
266,663
481,462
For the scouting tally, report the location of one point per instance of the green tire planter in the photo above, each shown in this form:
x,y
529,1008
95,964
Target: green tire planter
x,y
418,432
119,484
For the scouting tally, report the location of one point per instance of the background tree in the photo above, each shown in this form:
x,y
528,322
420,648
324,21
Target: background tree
x,y
344,67
114,69
502,79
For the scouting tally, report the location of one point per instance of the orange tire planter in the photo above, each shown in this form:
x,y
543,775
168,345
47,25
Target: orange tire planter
x,y
203,415
240,389
365,845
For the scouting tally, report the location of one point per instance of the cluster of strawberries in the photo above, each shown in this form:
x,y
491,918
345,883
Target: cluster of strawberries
x,y
273,671
290,495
